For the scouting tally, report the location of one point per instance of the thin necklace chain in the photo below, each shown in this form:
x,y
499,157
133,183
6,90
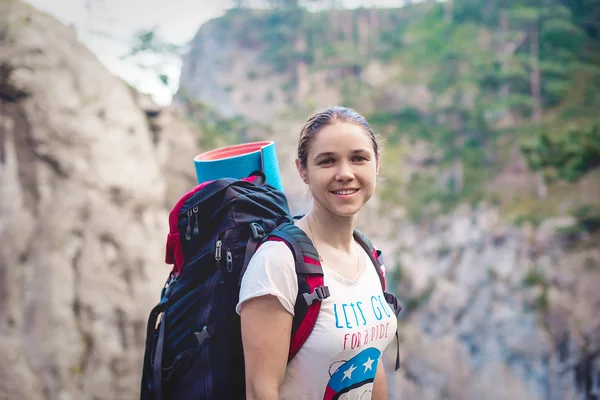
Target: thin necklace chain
x,y
321,258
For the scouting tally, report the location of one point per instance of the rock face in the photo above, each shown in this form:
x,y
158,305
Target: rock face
x,y
495,311
226,68
215,71
88,169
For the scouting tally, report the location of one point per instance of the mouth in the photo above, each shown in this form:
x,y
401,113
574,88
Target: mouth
x,y
344,192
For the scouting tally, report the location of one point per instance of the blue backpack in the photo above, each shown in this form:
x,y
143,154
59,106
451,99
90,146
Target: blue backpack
x,y
194,351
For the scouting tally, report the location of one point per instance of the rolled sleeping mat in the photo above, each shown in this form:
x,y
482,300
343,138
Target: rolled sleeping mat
x,y
238,161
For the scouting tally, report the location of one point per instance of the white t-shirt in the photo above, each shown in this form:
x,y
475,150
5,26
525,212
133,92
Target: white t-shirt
x,y
354,327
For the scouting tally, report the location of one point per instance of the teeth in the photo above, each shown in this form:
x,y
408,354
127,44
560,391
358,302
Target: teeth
x,y
345,192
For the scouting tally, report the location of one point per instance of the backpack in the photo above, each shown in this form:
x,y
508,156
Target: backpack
x,y
195,350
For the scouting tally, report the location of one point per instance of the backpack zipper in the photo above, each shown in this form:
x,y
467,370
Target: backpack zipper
x,y
218,259
192,212
188,232
218,251
196,225
229,261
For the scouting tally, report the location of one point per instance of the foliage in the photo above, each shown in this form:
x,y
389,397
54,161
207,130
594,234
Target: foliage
x,y
217,130
151,52
522,75
148,40
287,33
413,303
591,264
587,218
568,152
534,278
481,66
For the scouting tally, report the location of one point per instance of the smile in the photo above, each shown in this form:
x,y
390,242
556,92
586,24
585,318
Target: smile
x,y
345,192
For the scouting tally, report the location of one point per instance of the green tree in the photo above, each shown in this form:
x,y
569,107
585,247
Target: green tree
x,y
151,52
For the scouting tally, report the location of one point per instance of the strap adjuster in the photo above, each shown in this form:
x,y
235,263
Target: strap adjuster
x,y
320,293
393,302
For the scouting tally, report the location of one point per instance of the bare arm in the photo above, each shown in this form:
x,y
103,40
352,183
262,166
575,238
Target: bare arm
x,y
266,329
380,384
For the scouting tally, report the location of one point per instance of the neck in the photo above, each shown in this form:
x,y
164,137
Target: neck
x,y
333,231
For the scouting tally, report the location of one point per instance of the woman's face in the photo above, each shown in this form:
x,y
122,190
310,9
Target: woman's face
x,y
341,168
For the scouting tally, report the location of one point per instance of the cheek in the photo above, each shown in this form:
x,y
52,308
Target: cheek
x,y
321,178
318,183
370,177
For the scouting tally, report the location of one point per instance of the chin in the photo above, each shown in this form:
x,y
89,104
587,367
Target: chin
x,y
348,211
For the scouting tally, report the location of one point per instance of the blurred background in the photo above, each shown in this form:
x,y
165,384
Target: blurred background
x,y
488,212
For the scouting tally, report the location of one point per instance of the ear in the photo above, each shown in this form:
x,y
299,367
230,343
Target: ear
x,y
379,155
301,171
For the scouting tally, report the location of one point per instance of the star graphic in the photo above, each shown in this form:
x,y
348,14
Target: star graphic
x,y
348,373
369,364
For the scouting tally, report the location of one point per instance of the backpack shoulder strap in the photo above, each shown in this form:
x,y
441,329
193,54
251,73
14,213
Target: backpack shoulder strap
x,y
377,259
311,288
374,254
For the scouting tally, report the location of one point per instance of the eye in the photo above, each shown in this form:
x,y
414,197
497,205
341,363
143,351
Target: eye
x,y
359,159
326,161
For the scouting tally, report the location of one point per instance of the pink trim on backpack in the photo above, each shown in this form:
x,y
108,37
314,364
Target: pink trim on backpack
x,y
308,323
375,255
309,320
174,251
381,269
309,260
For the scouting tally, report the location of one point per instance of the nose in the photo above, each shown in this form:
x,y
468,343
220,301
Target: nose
x,y
344,172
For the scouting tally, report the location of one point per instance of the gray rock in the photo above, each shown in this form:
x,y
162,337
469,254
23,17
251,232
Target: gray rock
x,y
514,317
87,172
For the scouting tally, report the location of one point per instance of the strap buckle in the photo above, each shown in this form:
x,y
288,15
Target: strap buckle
x,y
202,335
320,293
169,285
257,231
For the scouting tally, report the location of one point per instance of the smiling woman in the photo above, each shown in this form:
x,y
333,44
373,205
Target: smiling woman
x,y
338,158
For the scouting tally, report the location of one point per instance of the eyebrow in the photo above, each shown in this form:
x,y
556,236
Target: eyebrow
x,y
325,154
331,153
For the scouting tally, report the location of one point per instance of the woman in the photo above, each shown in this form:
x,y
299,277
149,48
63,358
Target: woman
x,y
338,158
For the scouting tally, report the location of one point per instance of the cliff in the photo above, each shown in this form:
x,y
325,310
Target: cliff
x,y
88,169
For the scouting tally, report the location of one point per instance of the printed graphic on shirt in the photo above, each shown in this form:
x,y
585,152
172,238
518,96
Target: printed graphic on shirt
x,y
365,323
351,379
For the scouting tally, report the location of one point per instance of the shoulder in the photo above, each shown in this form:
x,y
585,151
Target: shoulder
x,y
273,259
271,271
274,250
